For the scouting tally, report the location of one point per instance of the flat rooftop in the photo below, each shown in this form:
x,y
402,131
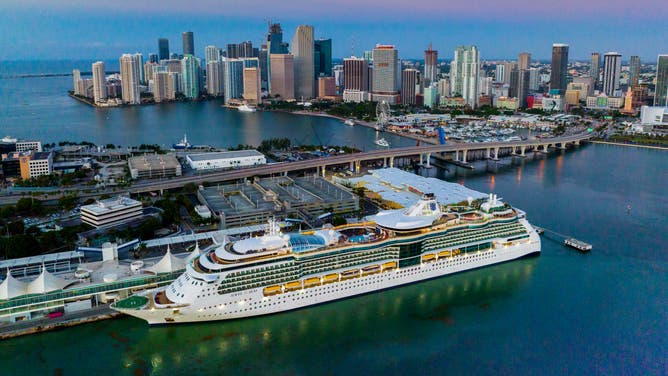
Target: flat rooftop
x,y
225,155
111,205
153,162
405,188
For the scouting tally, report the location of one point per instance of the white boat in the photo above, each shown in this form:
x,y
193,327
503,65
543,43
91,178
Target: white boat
x,y
382,142
8,140
183,144
280,272
350,122
246,108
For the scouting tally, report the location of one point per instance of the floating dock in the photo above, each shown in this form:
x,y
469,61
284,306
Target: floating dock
x,y
578,244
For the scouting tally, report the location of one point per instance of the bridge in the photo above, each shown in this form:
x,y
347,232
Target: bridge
x,y
387,156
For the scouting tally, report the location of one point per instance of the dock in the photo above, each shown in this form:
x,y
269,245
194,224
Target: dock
x,y
578,244
567,240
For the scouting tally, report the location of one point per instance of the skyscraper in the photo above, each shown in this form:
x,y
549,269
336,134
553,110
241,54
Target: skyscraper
x,y
302,50
282,76
99,84
252,90
153,58
163,89
661,92
634,70
129,79
190,73
384,75
322,55
355,74
234,79
595,66
163,48
409,80
612,67
211,53
465,73
430,66
139,59
245,49
559,68
76,75
214,78
188,43
519,79
524,61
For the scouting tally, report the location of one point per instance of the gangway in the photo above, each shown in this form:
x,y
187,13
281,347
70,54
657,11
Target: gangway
x,y
565,239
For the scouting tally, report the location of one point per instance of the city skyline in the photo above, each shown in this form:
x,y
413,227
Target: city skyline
x,y
88,31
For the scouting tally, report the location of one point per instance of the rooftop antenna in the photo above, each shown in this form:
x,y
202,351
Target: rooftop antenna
x,y
352,45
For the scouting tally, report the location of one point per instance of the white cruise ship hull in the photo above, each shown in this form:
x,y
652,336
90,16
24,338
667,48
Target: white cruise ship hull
x,y
252,302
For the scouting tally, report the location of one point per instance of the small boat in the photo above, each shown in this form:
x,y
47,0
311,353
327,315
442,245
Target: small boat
x,y
183,144
246,108
350,122
382,142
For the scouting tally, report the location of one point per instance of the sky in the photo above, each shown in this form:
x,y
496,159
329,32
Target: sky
x,y
94,29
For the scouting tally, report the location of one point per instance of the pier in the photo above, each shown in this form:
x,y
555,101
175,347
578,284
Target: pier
x,y
567,240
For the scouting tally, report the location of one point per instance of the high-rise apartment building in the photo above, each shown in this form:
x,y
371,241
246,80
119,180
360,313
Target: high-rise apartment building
x,y
214,78
595,66
188,43
519,86
465,73
409,81
524,61
384,74
252,90
661,91
302,50
139,60
322,55
612,68
164,87
163,48
430,66
326,87
99,83
129,79
211,53
634,71
559,72
355,74
76,78
282,76
190,75
234,79
534,79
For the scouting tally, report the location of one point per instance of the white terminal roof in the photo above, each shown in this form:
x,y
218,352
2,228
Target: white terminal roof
x,y
42,259
111,205
395,185
225,155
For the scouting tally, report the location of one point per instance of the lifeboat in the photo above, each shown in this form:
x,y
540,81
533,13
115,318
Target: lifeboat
x,y
371,269
272,290
292,286
311,282
443,254
354,273
389,265
429,257
329,278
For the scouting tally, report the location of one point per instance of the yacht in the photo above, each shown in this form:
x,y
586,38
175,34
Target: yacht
x,y
183,144
246,108
382,142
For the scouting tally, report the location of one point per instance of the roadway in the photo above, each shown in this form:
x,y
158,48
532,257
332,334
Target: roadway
x,y
284,167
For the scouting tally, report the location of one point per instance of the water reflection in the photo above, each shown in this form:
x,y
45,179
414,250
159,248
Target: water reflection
x,y
382,315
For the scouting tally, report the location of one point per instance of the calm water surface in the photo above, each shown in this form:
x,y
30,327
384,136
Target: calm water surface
x,y
560,313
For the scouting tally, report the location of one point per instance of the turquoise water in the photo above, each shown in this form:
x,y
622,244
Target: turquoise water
x,y
560,313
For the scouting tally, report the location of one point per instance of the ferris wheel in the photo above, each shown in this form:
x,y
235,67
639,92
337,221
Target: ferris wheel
x,y
382,114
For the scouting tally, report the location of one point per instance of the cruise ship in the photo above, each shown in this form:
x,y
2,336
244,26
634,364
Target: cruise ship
x,y
280,272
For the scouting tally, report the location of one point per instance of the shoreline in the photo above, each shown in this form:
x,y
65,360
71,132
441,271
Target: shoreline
x,y
630,145
362,123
